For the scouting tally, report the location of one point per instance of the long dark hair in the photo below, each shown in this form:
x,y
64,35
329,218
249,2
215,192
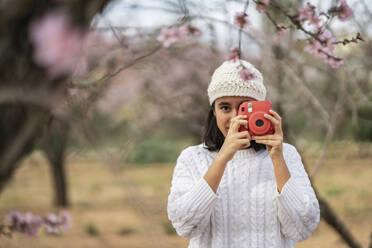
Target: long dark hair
x,y
213,137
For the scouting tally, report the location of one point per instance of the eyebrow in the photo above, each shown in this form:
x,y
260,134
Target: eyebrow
x,y
223,103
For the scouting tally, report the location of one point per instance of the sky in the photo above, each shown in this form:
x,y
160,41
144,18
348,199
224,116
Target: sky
x,y
152,16
117,12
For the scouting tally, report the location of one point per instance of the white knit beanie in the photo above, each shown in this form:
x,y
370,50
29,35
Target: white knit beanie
x,y
227,82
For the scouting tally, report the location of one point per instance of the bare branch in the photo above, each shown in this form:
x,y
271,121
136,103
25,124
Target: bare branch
x,y
14,150
353,40
331,129
309,94
39,97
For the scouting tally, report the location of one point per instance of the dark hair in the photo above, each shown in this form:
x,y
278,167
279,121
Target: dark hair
x,y
213,138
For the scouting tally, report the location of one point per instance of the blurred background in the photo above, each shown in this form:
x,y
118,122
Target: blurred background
x,y
98,98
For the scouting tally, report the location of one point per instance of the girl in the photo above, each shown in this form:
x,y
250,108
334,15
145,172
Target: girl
x,y
240,191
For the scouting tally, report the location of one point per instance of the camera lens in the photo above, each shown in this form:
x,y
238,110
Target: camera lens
x,y
259,123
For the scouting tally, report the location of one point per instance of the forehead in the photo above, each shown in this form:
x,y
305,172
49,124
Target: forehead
x,y
233,99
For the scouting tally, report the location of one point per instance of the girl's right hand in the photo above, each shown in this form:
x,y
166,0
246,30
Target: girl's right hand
x,y
234,139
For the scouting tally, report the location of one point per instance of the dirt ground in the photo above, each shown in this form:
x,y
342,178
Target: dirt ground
x,y
126,207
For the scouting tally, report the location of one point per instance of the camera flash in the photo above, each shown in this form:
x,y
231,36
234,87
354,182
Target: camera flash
x,y
250,107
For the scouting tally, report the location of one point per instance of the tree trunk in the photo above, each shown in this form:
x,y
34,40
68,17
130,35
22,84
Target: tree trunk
x,y
60,182
326,212
331,218
54,146
20,141
29,91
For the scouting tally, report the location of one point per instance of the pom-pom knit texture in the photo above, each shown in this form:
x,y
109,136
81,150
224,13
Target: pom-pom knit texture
x,y
247,210
227,82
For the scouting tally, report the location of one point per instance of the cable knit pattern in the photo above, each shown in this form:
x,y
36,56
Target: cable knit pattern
x,y
247,210
227,82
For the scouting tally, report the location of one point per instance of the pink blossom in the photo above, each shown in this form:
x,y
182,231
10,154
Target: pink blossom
x,y
57,45
345,12
54,223
241,20
324,51
314,20
312,48
168,36
306,13
28,224
51,224
234,54
66,220
15,217
334,62
328,39
260,8
246,74
280,28
317,49
188,30
171,35
261,5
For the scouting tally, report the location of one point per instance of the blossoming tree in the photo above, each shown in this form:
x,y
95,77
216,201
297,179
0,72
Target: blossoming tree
x,y
42,43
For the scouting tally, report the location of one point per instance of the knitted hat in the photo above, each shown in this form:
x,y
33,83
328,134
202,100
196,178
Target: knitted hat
x,y
227,82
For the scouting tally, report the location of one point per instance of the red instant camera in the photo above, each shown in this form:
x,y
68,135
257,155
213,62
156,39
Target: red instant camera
x,y
257,123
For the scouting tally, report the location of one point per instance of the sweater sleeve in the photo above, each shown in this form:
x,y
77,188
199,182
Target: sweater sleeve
x,y
298,207
191,201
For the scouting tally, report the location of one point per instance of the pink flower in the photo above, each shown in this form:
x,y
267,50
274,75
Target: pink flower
x,y
234,54
312,48
66,220
280,28
188,30
54,223
328,39
171,35
241,20
260,8
334,62
246,74
72,92
28,224
316,48
306,13
51,224
168,36
324,51
57,46
261,5
33,223
314,20
345,12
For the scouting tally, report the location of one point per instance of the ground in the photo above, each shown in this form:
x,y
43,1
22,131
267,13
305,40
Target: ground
x,y
126,207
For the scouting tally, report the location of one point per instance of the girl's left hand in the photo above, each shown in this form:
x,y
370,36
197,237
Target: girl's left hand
x,y
273,142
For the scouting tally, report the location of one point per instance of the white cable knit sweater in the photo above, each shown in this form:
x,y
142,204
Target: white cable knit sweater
x,y
247,210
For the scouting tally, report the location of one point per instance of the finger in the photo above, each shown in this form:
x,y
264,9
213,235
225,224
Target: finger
x,y
236,124
268,142
244,134
277,123
245,145
276,115
244,142
269,137
272,119
238,117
